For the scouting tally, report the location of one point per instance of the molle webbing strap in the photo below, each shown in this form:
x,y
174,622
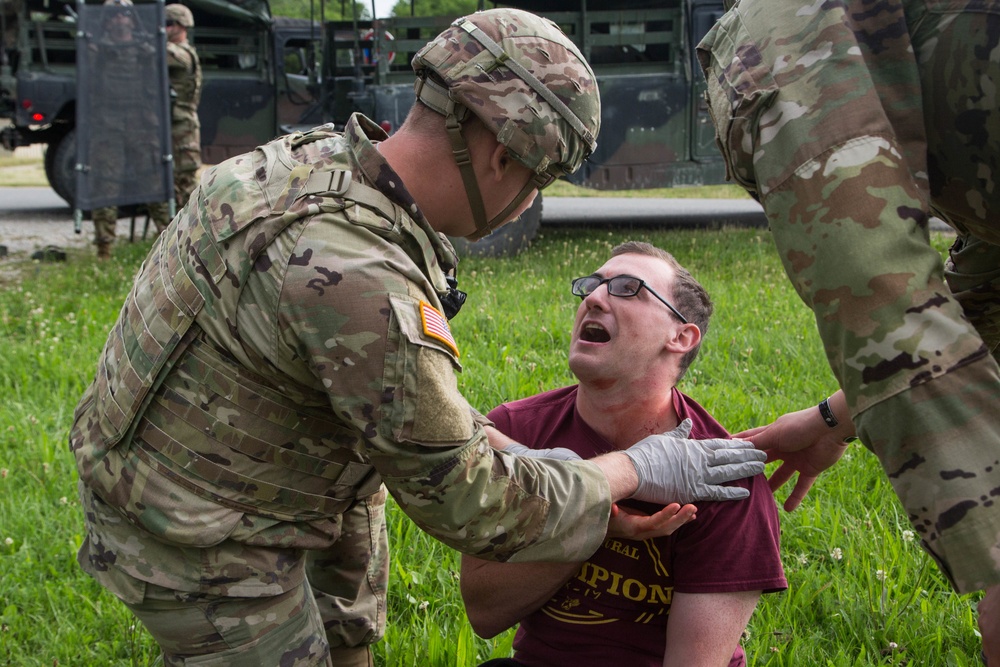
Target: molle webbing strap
x,y
171,290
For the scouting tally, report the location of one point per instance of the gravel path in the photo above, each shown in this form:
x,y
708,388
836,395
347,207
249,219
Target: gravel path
x,y
32,218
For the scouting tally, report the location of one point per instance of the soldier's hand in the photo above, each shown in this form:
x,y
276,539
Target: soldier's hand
x,y
560,453
673,468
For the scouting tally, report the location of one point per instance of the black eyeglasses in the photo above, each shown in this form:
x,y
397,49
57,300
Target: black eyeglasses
x,y
622,286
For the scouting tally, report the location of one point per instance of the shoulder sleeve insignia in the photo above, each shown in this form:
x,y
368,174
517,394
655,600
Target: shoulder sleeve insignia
x,y
436,326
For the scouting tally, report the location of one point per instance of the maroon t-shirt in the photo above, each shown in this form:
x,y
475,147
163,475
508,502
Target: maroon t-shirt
x,y
615,610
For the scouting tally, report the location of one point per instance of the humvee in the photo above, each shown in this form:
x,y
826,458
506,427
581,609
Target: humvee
x,y
266,76
256,73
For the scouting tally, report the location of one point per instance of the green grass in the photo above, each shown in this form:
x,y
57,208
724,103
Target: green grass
x,y
861,592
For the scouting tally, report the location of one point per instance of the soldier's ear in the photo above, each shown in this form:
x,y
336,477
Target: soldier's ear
x,y
500,161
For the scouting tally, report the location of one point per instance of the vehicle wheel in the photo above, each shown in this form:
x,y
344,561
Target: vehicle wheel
x,y
510,240
60,166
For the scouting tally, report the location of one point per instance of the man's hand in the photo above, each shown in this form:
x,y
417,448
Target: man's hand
x,y
989,625
631,524
804,444
672,468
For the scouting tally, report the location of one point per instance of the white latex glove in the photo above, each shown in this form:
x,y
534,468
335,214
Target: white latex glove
x,y
675,469
559,453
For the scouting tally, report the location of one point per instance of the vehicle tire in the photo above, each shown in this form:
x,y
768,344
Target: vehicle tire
x,y
60,166
509,241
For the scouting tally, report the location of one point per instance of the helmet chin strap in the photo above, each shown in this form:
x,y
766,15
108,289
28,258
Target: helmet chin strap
x,y
536,182
460,149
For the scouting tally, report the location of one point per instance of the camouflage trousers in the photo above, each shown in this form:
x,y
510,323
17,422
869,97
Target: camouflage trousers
x,y
197,629
327,619
105,223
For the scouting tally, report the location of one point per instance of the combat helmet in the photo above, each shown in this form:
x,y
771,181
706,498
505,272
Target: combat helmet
x,y
526,81
179,13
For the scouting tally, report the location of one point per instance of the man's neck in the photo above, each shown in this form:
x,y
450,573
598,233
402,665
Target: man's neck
x,y
625,415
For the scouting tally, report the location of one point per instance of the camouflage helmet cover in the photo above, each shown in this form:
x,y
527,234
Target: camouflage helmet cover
x,y
549,124
120,3
179,13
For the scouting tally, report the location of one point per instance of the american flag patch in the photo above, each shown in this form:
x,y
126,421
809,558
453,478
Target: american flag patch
x,y
436,326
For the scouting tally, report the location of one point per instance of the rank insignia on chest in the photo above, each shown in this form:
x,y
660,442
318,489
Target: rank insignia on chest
x,y
436,326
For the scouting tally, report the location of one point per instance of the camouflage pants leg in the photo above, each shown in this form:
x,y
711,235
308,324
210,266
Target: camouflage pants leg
x,y
939,444
199,629
159,213
973,273
184,184
105,223
350,579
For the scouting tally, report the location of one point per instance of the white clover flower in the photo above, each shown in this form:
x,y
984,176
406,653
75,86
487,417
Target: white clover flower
x,y
880,575
909,535
9,541
64,501
893,646
836,554
803,559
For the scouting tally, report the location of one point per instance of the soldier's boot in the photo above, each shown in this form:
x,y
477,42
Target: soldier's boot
x,y
103,251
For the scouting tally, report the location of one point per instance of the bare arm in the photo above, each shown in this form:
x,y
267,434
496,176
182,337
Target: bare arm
x,y
498,595
704,629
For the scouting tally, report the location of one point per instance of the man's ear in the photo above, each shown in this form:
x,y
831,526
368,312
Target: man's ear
x,y
500,161
684,338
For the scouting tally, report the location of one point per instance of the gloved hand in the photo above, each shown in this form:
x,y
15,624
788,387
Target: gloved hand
x,y
674,469
559,453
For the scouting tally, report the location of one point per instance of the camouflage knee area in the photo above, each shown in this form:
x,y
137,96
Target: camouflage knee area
x,y
973,274
159,213
350,579
200,629
105,224
939,444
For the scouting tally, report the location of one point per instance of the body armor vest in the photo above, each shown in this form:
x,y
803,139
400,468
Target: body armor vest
x,y
174,386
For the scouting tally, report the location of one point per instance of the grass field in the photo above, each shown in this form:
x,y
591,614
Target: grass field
x,y
861,590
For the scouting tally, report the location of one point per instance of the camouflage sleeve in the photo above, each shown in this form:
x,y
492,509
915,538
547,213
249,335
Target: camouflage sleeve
x,y
835,156
366,320
178,62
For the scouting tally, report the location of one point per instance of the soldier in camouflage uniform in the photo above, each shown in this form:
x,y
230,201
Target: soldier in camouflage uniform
x,y
284,360
853,122
184,70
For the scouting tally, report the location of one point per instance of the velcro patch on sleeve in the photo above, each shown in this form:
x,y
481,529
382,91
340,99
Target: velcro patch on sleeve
x,y
435,326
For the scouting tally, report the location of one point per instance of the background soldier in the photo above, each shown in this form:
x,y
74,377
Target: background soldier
x,y
126,136
184,71
285,350
852,122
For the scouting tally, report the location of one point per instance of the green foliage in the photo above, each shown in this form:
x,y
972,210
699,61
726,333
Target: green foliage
x,y
861,593
332,11
435,7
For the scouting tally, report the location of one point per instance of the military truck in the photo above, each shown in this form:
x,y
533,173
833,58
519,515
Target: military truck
x,y
656,131
262,79
256,78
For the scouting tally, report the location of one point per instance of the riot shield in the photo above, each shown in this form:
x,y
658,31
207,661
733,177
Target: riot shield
x,y
123,145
